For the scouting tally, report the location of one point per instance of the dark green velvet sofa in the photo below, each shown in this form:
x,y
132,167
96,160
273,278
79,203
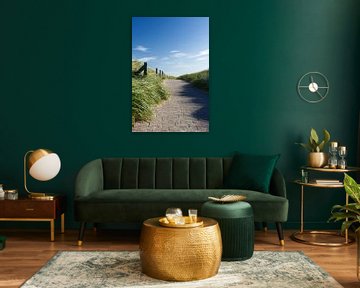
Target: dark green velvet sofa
x,y
130,190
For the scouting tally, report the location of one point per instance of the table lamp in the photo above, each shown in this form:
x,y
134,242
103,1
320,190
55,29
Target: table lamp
x,y
43,165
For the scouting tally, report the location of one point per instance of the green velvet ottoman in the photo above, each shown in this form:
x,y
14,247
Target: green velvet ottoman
x,y
236,221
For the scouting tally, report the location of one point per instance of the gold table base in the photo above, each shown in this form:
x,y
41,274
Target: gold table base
x,y
180,254
295,237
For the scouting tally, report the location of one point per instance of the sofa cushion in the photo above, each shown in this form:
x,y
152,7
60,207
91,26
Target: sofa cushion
x,y
266,207
251,172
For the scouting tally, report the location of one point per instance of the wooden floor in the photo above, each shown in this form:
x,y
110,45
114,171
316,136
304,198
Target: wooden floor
x,y
28,250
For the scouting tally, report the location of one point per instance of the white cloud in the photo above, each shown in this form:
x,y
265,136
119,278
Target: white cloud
x,y
204,52
179,54
146,59
141,48
201,59
201,54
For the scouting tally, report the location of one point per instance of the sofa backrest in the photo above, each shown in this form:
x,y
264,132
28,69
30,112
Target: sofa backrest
x,y
165,173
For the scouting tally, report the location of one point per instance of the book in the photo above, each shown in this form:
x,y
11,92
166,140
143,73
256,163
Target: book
x,y
327,181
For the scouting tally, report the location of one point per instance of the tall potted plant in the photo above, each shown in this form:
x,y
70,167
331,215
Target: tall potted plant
x,y
350,214
317,157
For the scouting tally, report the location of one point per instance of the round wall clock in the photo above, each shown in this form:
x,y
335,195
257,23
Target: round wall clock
x,y
313,87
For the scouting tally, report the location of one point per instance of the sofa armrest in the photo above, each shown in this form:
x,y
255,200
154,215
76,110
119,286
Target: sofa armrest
x,y
89,179
277,184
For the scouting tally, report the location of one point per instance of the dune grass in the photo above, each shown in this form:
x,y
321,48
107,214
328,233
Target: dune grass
x,y
147,91
198,79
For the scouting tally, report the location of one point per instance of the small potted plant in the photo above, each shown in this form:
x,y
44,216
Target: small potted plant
x,y
317,157
350,214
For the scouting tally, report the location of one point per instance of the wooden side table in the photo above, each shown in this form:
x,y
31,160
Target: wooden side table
x,y
26,209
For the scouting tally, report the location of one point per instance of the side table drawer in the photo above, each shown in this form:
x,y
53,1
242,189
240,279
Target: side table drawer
x,y
31,209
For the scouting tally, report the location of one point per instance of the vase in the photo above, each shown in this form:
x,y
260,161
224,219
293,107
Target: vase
x,y
317,159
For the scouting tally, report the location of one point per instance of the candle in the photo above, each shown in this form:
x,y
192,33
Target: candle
x,y
333,144
342,149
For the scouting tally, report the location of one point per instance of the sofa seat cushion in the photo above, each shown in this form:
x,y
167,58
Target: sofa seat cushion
x,y
266,207
179,195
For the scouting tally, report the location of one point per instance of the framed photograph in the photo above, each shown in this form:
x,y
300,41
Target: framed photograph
x,y
170,74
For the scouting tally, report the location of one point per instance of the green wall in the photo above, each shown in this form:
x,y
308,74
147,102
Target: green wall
x,y
66,85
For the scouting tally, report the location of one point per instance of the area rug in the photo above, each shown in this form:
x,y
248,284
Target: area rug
x,y
80,269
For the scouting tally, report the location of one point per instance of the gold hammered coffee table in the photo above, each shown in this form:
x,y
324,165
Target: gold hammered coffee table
x,y
180,254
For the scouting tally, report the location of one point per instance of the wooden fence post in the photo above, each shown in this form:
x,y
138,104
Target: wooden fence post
x,y
145,68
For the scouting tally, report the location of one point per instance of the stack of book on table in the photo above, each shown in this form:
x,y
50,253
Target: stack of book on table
x,y
327,181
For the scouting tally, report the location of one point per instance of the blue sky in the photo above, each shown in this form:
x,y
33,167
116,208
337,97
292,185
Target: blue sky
x,y
176,45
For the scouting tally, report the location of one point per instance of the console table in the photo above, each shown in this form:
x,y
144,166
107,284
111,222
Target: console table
x,y
297,235
27,209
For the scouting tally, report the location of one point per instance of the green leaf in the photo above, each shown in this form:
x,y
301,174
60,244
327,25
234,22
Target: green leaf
x,y
346,225
350,207
336,216
314,135
312,144
321,146
306,146
326,136
352,188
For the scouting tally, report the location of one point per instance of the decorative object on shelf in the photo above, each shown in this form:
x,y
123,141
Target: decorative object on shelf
x,y
11,194
332,163
43,165
349,213
228,198
316,158
304,176
342,153
313,87
2,192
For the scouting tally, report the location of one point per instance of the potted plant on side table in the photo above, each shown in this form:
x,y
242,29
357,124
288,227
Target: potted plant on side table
x,y
317,157
350,214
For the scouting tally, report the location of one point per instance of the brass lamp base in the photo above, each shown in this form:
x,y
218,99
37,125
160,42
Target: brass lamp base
x,y
41,196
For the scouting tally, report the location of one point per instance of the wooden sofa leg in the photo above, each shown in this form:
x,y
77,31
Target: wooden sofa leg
x,y
280,233
265,227
81,233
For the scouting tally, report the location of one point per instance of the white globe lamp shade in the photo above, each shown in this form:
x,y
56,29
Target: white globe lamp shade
x,y
44,165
